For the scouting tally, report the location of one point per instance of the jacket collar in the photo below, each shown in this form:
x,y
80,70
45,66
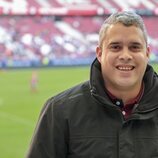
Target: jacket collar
x,y
149,100
96,79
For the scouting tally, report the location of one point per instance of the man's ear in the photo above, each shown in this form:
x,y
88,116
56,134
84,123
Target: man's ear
x,y
98,53
148,52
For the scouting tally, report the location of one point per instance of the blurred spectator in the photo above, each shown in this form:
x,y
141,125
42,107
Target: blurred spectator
x,y
34,82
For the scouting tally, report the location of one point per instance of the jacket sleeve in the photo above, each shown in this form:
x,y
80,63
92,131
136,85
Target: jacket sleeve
x,y
50,139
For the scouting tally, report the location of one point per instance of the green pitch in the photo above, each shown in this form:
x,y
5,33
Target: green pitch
x,y
19,107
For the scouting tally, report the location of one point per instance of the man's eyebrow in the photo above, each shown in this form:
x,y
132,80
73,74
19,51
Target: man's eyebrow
x,y
133,43
136,43
114,43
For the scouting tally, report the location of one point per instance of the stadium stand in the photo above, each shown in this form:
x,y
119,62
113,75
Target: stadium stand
x,y
71,7
62,32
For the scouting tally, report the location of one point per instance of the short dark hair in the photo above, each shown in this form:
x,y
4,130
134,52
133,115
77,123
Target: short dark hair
x,y
127,18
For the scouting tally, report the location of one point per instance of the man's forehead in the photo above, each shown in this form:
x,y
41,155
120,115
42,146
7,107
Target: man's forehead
x,y
124,36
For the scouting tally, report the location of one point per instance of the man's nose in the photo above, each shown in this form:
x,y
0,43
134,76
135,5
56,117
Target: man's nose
x,y
125,54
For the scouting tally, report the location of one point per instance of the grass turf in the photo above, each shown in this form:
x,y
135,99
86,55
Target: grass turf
x,y
19,107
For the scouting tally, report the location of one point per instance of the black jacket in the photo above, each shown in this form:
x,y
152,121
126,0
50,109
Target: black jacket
x,y
82,122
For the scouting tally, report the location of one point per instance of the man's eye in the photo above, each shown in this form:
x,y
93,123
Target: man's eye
x,y
115,47
135,48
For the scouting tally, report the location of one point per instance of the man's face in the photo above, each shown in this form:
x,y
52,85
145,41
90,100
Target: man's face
x,y
123,57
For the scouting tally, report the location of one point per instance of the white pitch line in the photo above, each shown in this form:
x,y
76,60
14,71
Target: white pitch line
x,y
16,119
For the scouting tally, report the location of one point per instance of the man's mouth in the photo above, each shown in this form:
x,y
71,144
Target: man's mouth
x,y
125,68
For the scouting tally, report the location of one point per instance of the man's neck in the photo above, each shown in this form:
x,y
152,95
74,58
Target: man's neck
x,y
126,95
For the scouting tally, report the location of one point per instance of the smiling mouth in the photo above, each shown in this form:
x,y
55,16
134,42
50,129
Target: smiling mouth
x,y
125,68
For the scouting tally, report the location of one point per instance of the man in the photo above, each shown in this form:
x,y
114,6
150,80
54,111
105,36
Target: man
x,y
115,113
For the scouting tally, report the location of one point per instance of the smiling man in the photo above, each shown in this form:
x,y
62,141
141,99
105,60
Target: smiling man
x,y
115,113
123,55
